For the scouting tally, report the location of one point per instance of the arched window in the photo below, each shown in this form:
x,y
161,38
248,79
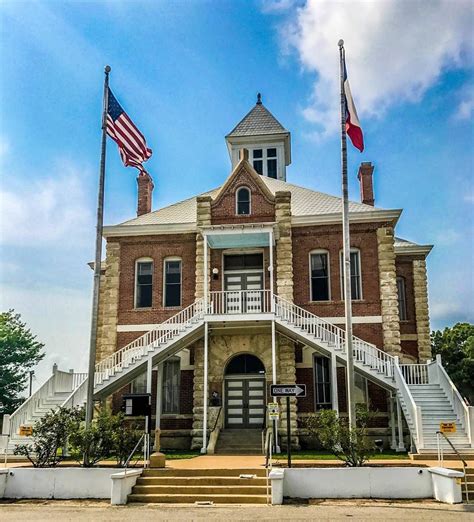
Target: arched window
x,y
243,201
144,282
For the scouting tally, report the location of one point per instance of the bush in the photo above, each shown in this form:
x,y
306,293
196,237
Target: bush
x,y
351,445
106,437
50,434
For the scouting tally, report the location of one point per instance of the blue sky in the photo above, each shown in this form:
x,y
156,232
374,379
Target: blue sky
x,y
186,72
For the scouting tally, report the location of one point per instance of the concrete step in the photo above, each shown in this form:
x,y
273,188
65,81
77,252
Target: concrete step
x,y
200,481
191,499
235,473
199,490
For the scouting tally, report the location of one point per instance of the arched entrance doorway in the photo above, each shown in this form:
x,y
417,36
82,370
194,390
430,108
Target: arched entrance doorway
x,y
244,394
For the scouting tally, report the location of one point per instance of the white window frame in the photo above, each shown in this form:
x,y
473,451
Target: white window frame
x,y
243,187
341,267
135,289
319,251
404,283
265,158
165,260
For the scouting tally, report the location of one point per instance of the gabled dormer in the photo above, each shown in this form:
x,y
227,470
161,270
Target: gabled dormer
x,y
268,142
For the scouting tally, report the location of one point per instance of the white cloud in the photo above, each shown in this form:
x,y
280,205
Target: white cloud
x,y
465,108
48,210
395,50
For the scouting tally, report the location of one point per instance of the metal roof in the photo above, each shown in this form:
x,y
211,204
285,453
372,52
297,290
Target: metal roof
x,y
259,121
304,202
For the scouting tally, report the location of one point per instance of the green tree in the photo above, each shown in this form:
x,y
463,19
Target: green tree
x,y
456,347
19,353
351,445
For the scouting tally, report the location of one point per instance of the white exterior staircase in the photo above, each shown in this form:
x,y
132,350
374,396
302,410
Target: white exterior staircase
x,y
427,395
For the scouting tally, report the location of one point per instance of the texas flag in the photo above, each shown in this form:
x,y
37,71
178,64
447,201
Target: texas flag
x,y
353,127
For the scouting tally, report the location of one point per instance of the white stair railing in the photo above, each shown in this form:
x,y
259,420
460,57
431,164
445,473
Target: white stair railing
x,y
78,396
158,337
415,373
461,409
365,353
240,302
412,410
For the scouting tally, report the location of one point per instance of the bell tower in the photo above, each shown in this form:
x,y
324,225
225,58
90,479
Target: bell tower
x,y
268,142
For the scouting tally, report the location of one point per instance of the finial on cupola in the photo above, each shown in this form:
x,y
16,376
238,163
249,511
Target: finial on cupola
x,y
259,99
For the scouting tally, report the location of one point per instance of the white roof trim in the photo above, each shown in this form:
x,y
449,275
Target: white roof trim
x,y
423,250
354,217
149,230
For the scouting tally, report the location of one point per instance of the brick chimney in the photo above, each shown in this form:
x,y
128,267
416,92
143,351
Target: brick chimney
x,y
145,190
366,170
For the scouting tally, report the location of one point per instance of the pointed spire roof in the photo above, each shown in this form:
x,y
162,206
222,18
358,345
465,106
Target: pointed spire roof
x,y
259,121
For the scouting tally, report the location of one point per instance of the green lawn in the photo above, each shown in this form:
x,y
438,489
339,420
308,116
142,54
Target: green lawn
x,y
181,454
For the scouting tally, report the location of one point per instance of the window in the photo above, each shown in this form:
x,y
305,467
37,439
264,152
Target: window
x,y
258,160
172,286
265,162
139,384
319,276
171,373
271,163
322,380
402,300
243,201
360,389
143,283
356,286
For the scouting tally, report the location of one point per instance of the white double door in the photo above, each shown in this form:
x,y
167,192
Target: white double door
x,y
244,292
245,402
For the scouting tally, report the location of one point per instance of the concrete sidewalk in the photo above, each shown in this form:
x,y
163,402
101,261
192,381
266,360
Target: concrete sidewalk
x,y
321,510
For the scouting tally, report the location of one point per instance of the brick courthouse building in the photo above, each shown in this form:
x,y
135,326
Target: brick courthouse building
x,y
269,249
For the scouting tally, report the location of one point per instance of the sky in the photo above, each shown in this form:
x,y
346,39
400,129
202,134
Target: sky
x,y
186,72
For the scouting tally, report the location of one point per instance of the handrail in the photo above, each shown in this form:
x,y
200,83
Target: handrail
x,y
217,420
149,341
415,373
240,301
146,449
441,458
75,398
458,403
415,412
364,353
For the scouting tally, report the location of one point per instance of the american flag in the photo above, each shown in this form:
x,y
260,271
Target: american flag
x,y
130,141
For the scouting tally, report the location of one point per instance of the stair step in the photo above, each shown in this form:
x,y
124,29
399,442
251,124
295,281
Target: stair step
x,y
200,481
191,499
235,473
199,490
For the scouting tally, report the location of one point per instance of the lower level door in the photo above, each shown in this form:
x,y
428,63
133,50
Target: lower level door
x,y
245,403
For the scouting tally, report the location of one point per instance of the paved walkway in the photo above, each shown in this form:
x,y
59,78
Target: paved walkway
x,y
322,510
256,461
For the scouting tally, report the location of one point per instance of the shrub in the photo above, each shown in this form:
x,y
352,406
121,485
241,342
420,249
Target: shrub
x,y
50,434
106,437
351,445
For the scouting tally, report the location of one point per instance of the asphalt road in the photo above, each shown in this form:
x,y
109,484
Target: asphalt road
x,y
323,510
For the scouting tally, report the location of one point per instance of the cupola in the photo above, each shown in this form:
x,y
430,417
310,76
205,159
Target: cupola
x,y
268,142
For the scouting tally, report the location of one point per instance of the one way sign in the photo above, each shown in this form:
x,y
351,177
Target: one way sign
x,y
288,390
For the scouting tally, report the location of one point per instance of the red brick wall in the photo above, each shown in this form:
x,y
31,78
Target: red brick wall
x,y
306,376
157,248
410,348
223,209
377,397
329,237
186,391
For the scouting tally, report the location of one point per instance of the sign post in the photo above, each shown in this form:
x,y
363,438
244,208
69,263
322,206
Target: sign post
x,y
288,390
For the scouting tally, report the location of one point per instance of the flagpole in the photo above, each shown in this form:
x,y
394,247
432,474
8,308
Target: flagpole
x,y
346,249
98,257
